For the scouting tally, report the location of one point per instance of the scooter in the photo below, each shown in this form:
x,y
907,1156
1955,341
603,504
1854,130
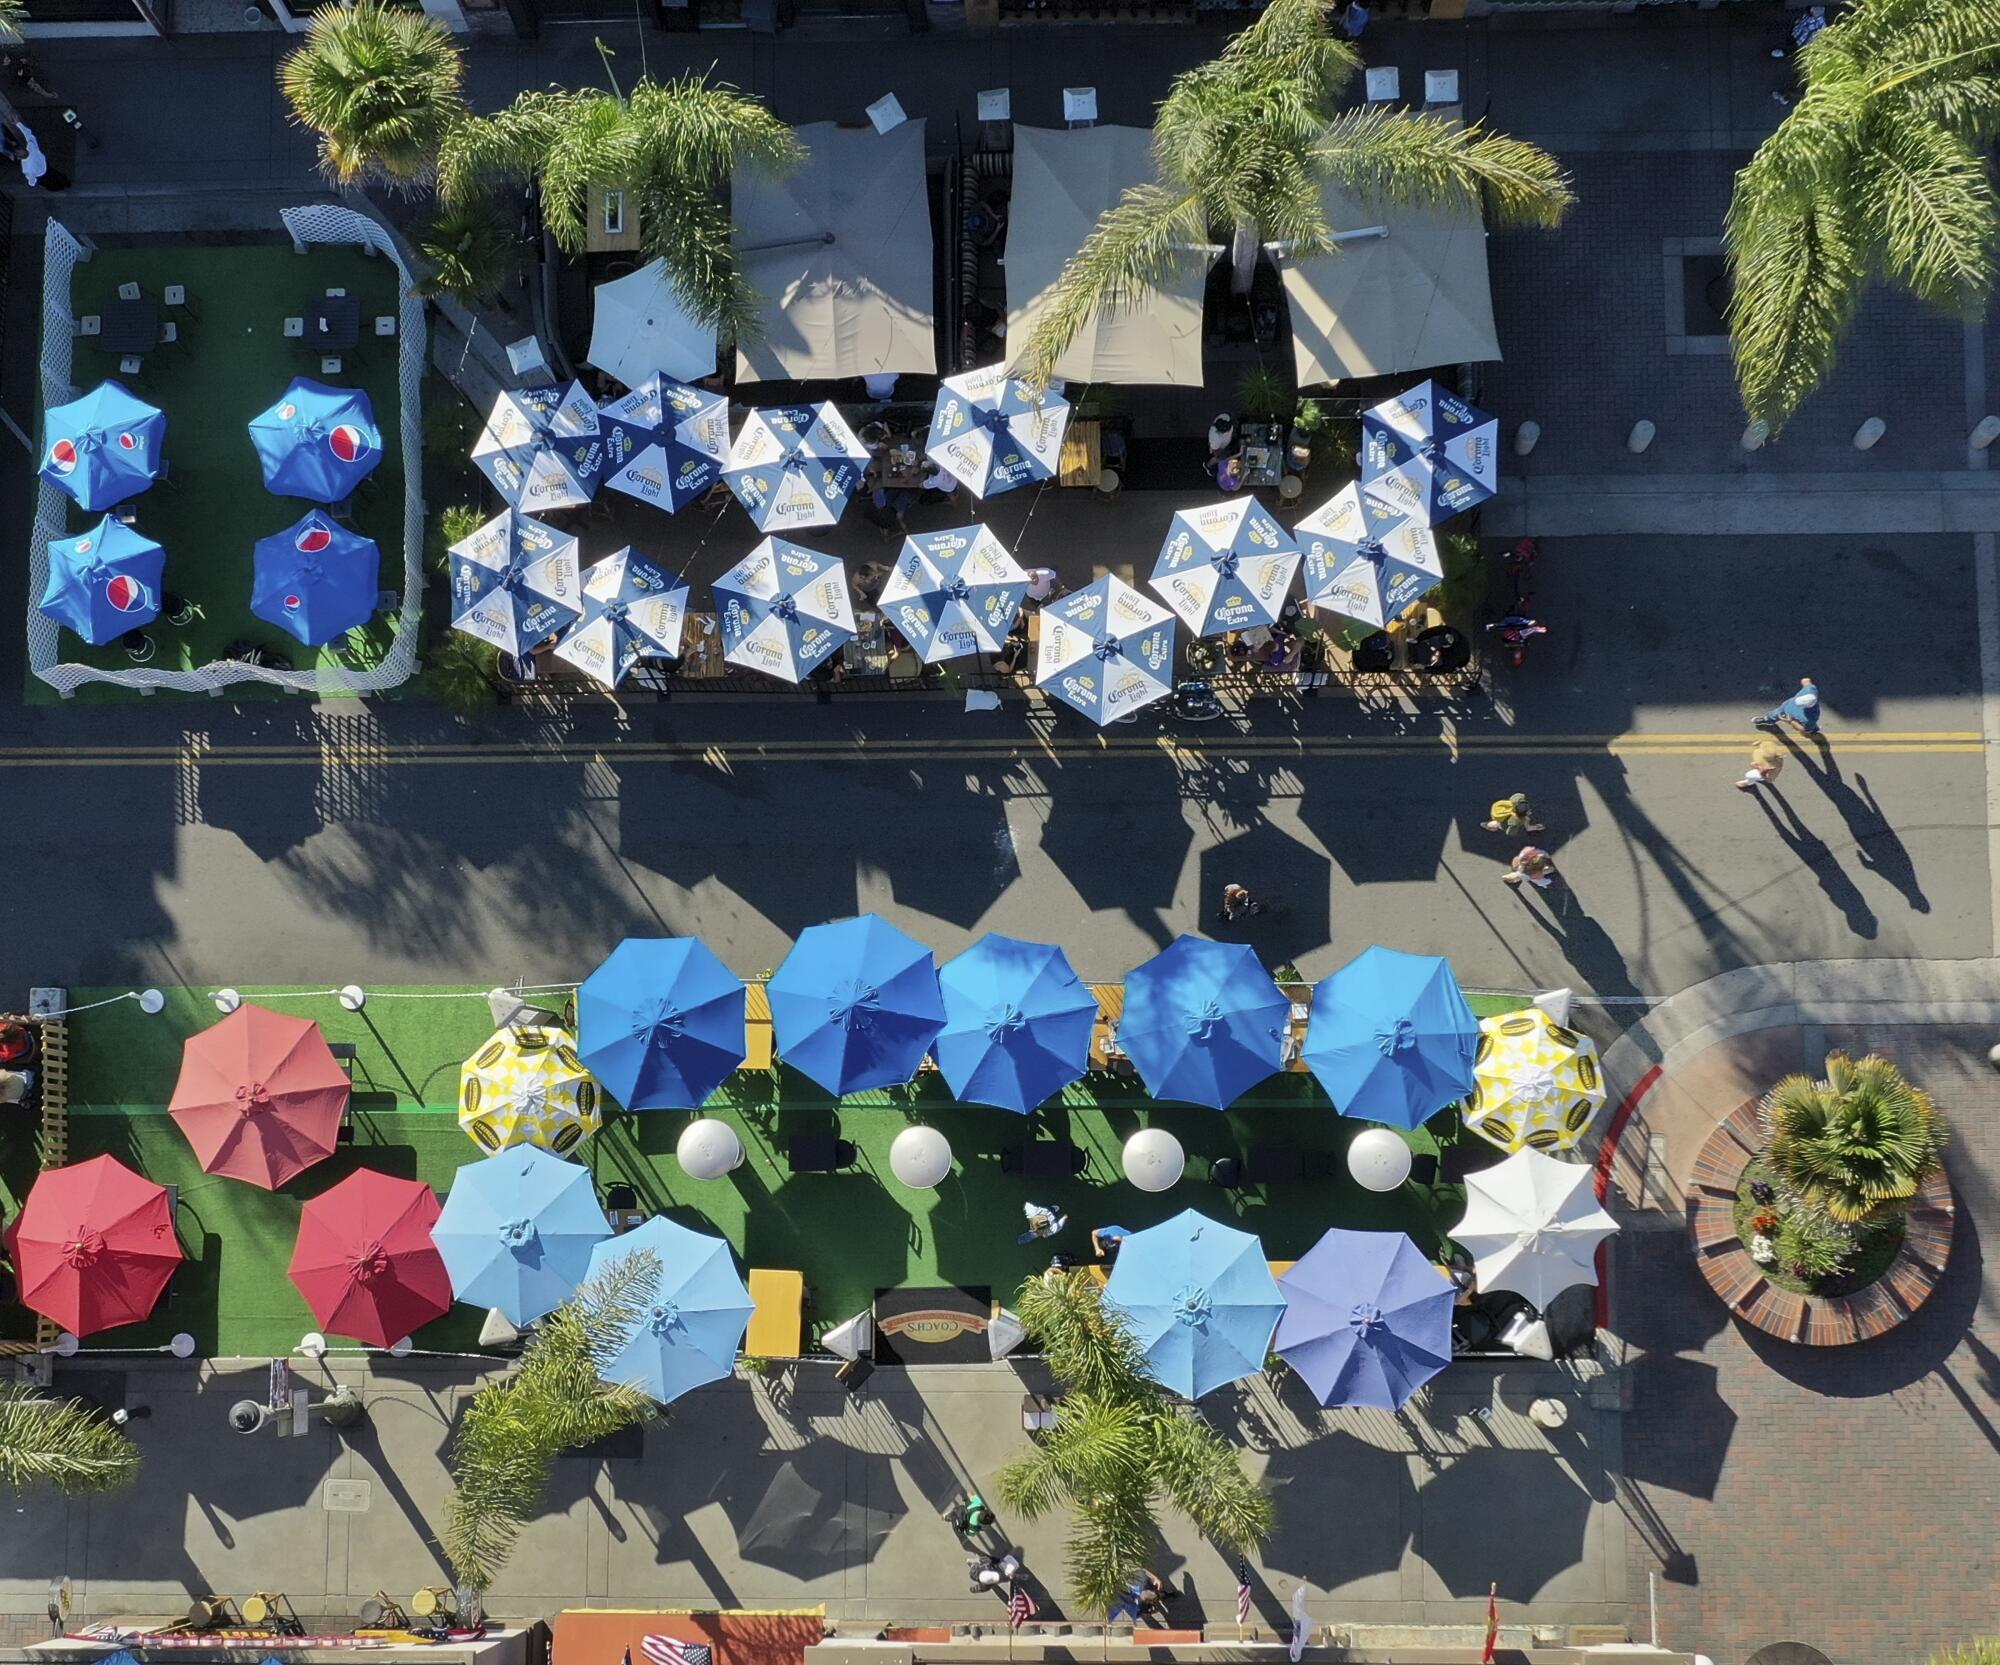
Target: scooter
x,y
1517,627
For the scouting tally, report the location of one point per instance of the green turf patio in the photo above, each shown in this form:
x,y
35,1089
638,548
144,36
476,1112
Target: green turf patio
x,y
850,1233
235,362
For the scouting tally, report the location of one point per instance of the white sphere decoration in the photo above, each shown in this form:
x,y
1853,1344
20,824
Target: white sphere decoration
x,y
920,1157
313,1345
151,1002
182,1346
1378,1159
227,1000
1993,1056
1153,1159
708,1149
353,996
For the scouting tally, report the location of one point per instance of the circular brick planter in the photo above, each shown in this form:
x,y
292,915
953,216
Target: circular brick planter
x,y
1812,1320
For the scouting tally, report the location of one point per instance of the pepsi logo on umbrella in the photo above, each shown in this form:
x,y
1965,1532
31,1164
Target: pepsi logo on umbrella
x,y
347,442
314,536
62,456
127,594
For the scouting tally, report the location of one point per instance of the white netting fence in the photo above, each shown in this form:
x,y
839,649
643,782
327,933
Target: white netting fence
x,y
324,223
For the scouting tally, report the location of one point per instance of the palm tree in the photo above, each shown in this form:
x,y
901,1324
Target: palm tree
x,y
13,13
673,146
1855,1146
555,1400
1120,1444
61,1441
1245,145
380,85
473,252
1878,171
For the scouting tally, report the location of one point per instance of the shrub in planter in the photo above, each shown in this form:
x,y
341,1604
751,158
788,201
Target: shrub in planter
x,y
1854,1147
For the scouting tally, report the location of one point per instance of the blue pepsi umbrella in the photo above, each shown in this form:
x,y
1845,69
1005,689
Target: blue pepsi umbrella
x,y
1366,560
104,447
660,1023
1226,566
690,1322
515,583
517,1230
794,466
664,442
1200,1299
856,1004
541,447
1429,455
104,582
992,433
1203,1021
1017,1023
317,441
784,609
1391,1038
1367,1319
632,610
1106,650
954,592
316,579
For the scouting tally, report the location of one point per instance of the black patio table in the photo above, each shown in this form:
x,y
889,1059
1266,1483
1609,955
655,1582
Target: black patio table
x,y
1051,1159
1274,1165
130,327
333,322
819,1153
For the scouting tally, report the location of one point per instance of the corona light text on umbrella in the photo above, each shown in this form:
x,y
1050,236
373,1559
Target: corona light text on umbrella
x,y
1537,1085
515,583
1428,454
527,1086
632,610
1226,566
794,466
317,442
784,610
664,442
104,447
316,579
104,582
541,447
1106,650
992,433
954,592
1366,560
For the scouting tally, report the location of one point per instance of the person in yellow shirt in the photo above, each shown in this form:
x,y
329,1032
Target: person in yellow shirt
x,y
1513,815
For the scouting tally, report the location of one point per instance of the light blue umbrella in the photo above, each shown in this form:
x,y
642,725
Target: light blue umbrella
x,y
517,1230
1391,1037
315,579
954,592
1200,1299
1203,1021
794,466
691,1320
664,442
541,447
1017,1023
515,582
660,1023
104,582
784,610
632,610
856,1004
1367,1319
1107,650
317,442
104,447
1366,560
1428,454
992,433
1226,566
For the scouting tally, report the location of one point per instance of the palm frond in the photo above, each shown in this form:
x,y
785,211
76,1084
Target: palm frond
x,y
1204,1478
1798,270
60,1442
1397,159
380,84
1086,1343
1856,1146
1111,1538
1930,203
692,231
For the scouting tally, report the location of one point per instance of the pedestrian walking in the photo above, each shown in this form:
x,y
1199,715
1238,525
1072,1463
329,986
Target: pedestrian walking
x,y
1512,815
1042,1222
1767,757
1801,710
1537,867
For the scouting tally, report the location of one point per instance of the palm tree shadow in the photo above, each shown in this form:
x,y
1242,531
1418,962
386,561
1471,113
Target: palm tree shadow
x,y
1876,845
1820,861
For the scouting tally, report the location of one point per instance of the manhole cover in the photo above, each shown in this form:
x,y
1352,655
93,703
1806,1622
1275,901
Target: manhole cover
x,y
345,1497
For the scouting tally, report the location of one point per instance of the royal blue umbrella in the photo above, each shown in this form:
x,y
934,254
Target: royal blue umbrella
x,y
794,466
664,442
515,583
541,447
517,1230
1365,560
1203,1021
1017,1023
1391,1038
1429,455
784,610
104,447
1226,566
660,1023
632,610
1200,1299
691,1314
856,1004
316,579
1106,650
104,582
992,433
317,441
1367,1319
954,592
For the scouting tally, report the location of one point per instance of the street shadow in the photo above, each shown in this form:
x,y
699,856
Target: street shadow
x,y
1818,860
1678,1434
1329,1547
1470,1545
1560,913
1120,850
1294,884
1876,844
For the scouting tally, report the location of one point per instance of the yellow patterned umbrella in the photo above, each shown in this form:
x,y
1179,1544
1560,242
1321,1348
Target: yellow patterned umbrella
x,y
526,1086
1537,1083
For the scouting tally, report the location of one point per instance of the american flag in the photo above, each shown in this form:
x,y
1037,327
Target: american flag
x,y
671,1650
1242,1590
1020,1607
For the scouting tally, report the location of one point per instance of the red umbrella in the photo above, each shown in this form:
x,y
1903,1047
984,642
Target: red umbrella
x,y
94,1245
365,1262
260,1096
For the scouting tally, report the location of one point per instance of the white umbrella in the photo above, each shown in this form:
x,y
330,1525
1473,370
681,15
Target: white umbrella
x,y
853,1338
1004,1333
1532,1225
640,329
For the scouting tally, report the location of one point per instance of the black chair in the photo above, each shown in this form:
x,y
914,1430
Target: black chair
x,y
620,1199
343,1055
1226,1172
820,1153
1274,1165
1423,1170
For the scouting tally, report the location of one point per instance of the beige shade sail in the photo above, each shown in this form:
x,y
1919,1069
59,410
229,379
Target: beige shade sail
x,y
839,252
1063,180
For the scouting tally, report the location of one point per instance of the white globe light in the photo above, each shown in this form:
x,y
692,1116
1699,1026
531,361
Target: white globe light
x,y
1378,1159
151,1002
708,1149
227,1000
1153,1159
920,1157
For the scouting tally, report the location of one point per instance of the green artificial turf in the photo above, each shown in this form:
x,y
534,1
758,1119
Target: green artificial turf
x,y
234,363
850,1233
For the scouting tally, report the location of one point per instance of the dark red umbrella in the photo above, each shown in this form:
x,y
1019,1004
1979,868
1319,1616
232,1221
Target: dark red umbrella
x,y
94,1245
260,1096
365,1262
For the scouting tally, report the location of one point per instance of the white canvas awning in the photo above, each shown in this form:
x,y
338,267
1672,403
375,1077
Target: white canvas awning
x,y
839,251
1063,180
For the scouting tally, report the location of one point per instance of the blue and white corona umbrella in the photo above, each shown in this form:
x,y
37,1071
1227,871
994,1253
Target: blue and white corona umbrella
x,y
514,583
1366,560
794,466
104,582
1107,650
1429,455
104,447
632,610
784,610
992,433
664,442
954,592
317,442
316,579
1226,566
541,447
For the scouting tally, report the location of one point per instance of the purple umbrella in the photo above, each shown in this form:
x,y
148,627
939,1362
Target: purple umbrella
x,y
1367,1319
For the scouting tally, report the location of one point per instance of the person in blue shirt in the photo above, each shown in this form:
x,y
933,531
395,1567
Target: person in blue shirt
x,y
1801,710
1105,1242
